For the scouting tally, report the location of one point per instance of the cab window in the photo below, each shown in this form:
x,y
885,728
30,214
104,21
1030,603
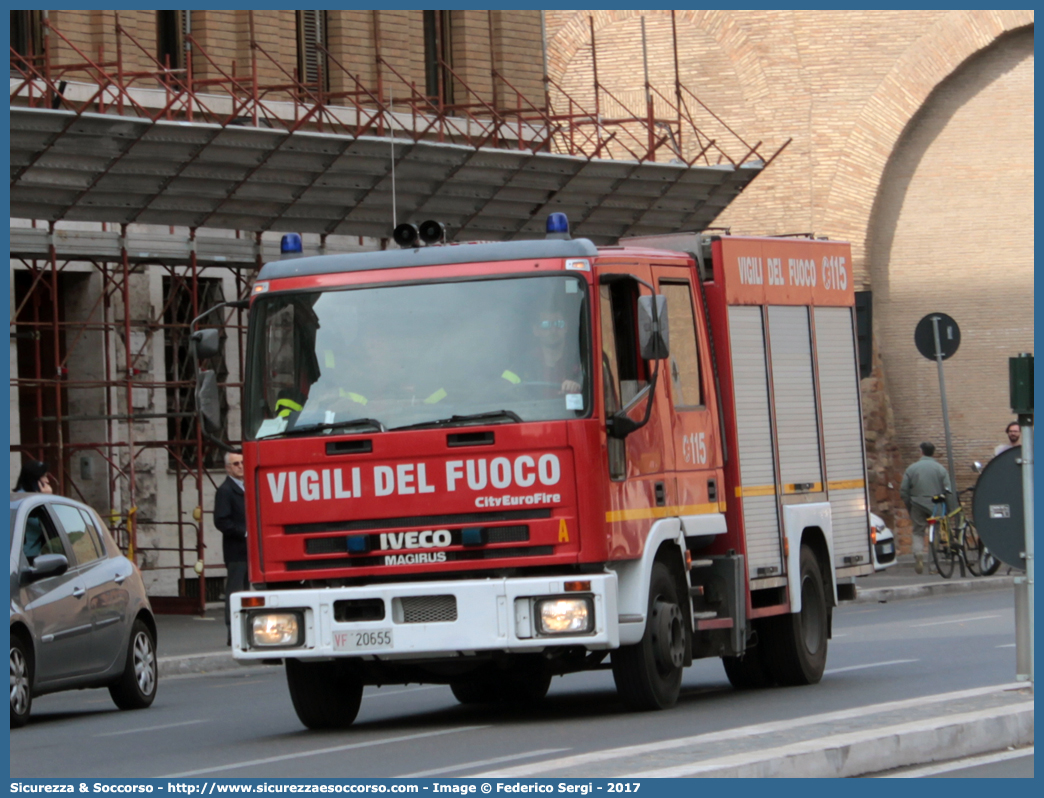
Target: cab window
x,y
684,359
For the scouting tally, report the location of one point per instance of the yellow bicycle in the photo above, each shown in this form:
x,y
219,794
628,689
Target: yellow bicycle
x,y
953,540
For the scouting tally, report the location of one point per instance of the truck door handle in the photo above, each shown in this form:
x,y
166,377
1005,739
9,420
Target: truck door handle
x,y
661,494
118,579
78,591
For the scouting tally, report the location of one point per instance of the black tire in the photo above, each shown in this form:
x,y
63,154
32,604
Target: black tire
x,y
136,688
474,691
990,564
526,687
522,686
326,695
749,671
648,674
796,644
973,548
21,681
943,554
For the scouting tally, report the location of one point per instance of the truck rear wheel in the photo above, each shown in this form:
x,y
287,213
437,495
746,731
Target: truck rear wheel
x,y
326,695
648,674
798,641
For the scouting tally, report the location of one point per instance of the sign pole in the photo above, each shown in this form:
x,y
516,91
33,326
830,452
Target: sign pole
x,y
945,412
1026,422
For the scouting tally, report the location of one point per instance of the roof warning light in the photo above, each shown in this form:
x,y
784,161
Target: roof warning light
x,y
558,226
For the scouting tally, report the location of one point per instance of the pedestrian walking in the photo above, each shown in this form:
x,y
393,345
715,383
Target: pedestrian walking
x,y
230,518
923,480
1014,433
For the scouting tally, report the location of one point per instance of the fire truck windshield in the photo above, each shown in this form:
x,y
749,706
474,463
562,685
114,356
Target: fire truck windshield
x,y
449,353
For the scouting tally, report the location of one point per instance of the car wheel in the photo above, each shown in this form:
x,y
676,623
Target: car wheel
x,y
136,688
21,681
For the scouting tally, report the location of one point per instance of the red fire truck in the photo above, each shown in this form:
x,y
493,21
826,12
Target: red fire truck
x,y
487,464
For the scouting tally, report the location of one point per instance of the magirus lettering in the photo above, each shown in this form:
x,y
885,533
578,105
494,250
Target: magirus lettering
x,y
426,539
415,559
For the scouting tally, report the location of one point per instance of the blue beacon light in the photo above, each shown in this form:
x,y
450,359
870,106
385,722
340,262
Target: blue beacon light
x,y
558,226
291,244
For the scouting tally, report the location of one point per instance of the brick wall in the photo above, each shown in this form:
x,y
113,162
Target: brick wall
x,y
952,231
912,137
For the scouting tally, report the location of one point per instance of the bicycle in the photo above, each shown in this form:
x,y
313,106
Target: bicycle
x,y
954,540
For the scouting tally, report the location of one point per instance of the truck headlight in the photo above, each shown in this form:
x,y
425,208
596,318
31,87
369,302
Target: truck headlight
x,y
275,629
564,616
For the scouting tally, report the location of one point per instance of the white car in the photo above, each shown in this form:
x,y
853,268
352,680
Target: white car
x,y
883,543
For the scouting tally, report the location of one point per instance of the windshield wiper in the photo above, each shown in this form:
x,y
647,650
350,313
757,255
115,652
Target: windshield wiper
x,y
328,427
492,415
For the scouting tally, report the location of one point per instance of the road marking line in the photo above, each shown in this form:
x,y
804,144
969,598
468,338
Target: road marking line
x,y
320,751
151,728
960,764
955,620
607,754
389,693
868,665
482,763
833,742
1007,645
834,637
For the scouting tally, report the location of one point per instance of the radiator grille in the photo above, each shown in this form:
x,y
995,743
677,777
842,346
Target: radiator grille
x,y
424,609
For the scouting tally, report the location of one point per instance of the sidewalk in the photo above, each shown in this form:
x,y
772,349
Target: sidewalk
x,y
191,644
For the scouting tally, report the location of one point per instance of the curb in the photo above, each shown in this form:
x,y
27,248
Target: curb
x,y
942,587
874,750
196,663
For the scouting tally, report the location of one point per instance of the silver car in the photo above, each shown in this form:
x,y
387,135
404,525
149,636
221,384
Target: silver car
x,y
79,613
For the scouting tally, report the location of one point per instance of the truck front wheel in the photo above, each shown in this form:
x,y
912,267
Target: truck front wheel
x,y
798,641
326,695
648,674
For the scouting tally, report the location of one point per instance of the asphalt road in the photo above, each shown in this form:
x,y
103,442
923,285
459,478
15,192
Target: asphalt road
x,y
241,723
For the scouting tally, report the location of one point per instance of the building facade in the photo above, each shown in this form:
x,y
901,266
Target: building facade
x,y
912,137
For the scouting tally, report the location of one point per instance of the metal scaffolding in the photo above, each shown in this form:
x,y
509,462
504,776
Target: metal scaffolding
x,y
95,140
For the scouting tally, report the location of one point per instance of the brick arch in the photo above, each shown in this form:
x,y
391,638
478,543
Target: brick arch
x,y
958,36
720,26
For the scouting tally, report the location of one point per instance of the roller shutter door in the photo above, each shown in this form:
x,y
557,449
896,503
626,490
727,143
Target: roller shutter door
x,y
794,389
843,434
754,429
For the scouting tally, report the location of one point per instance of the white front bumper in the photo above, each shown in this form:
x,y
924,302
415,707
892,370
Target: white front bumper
x,y
490,615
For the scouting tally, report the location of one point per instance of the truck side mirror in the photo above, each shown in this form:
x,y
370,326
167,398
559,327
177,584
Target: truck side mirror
x,y
208,401
634,415
653,336
206,343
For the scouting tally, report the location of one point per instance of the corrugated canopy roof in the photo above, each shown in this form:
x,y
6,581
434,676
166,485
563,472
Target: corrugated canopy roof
x,y
100,167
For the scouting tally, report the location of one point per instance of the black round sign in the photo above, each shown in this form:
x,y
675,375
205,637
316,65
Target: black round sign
x,y
949,336
997,508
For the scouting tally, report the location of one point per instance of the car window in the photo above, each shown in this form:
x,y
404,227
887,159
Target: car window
x,y
96,531
40,535
82,536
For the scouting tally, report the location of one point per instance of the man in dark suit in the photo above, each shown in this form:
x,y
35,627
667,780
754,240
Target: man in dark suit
x,y
230,518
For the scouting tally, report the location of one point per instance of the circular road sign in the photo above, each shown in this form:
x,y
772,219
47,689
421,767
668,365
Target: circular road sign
x,y
997,508
949,336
